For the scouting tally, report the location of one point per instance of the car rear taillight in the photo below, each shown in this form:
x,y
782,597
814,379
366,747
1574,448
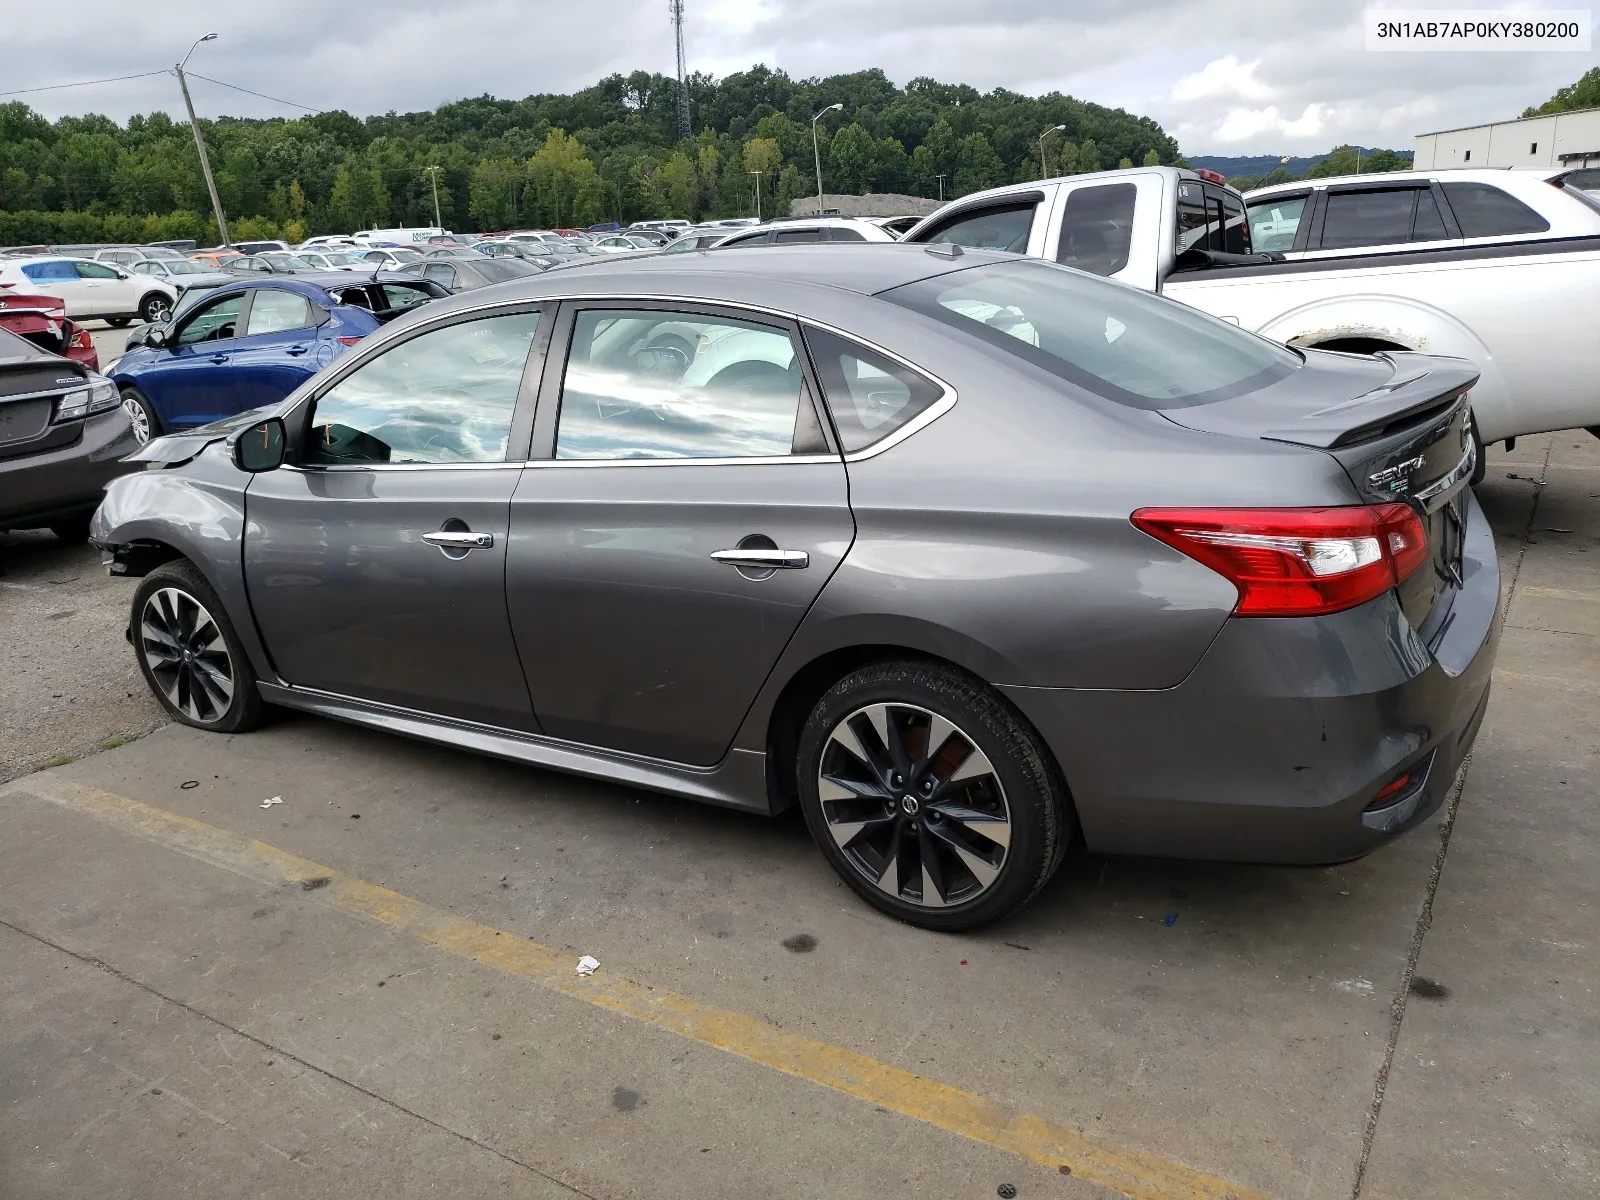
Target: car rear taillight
x,y
1297,562
81,340
348,341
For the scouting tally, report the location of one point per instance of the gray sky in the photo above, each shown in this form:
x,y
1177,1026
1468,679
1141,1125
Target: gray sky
x,y
1222,76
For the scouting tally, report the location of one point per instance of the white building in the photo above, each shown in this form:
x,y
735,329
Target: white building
x,y
1569,139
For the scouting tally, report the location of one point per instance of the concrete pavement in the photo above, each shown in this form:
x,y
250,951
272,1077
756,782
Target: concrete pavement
x,y
1294,1033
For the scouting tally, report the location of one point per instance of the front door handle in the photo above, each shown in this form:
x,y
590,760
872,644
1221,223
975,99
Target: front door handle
x,y
792,560
456,539
219,359
295,350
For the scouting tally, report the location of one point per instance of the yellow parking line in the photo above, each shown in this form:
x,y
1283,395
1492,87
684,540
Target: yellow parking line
x,y
1134,1173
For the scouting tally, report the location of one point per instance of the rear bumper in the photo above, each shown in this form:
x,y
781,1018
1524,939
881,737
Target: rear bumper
x,y
1273,748
39,488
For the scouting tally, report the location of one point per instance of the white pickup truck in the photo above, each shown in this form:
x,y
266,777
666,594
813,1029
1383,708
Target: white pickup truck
x,y
1498,267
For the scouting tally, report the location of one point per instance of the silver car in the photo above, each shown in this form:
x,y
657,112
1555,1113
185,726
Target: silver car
x,y
967,555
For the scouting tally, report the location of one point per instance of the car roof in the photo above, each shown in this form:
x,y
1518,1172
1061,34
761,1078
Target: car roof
x,y
1442,174
797,279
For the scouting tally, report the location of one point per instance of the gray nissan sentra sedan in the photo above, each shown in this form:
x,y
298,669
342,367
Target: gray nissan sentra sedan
x,y
968,555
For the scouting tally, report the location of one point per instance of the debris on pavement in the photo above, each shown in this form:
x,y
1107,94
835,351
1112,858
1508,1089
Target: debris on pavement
x,y
1170,920
270,802
587,966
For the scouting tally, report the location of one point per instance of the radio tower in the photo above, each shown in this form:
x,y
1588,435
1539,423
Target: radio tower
x,y
676,8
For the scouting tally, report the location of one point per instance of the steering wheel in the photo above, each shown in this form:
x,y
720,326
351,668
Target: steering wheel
x,y
666,357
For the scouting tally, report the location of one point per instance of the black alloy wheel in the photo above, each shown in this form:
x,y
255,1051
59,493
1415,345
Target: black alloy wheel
x,y
930,796
189,652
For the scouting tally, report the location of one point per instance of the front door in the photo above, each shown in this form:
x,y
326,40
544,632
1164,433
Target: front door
x,y
192,383
376,560
687,511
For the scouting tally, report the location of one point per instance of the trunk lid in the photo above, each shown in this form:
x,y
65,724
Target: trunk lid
x,y
1398,423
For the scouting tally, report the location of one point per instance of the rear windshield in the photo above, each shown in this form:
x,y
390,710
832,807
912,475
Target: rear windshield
x,y
1116,341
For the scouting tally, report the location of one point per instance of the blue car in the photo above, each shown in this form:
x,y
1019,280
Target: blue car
x,y
251,343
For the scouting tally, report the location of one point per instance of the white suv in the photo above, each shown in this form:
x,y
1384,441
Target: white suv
x,y
90,289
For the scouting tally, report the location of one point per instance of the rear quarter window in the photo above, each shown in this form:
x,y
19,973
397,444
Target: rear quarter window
x,y
1485,211
1115,341
1097,228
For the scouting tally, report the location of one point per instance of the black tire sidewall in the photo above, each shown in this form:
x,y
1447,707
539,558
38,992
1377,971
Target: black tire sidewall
x,y
145,306
244,712
1040,815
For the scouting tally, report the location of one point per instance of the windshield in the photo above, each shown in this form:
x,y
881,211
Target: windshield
x,y
1114,340
182,267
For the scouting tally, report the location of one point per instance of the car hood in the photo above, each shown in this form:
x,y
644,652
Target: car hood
x,y
174,449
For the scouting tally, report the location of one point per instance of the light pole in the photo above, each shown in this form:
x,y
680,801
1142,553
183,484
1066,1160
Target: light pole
x,y
433,174
758,175
817,152
200,142
941,188
1044,167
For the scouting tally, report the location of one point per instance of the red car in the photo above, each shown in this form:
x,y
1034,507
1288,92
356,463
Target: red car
x,y
42,320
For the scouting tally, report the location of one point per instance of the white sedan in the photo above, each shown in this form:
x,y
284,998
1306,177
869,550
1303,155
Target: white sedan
x,y
91,290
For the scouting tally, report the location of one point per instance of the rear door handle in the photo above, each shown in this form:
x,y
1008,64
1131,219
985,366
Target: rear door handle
x,y
295,350
459,539
792,560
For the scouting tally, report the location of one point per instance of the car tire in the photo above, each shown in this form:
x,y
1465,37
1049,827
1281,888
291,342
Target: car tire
x,y
189,653
896,817
119,322
141,415
72,530
155,307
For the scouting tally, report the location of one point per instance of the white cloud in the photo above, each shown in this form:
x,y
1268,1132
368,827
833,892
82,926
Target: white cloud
x,y
1225,77
1246,124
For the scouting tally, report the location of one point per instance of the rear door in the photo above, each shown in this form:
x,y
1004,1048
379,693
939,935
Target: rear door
x,y
682,511
277,351
60,278
376,561
1376,218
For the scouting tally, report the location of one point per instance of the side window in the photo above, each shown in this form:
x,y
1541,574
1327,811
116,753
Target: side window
x,y
46,271
94,270
397,297
1380,217
1097,228
441,273
273,311
784,237
1483,210
652,384
213,323
445,396
749,239
1004,227
147,268
1197,219
843,233
1429,224
869,395
1235,229
1275,221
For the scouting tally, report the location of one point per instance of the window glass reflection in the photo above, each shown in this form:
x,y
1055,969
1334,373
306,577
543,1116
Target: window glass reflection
x,y
444,397
677,385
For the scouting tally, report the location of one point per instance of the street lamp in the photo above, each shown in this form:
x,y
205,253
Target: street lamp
x,y
199,142
1044,168
433,174
941,179
758,175
817,152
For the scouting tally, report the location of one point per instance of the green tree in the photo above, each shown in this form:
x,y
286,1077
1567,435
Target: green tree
x,y
1151,159
359,200
852,161
977,166
559,174
680,186
1585,93
492,193
1088,156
